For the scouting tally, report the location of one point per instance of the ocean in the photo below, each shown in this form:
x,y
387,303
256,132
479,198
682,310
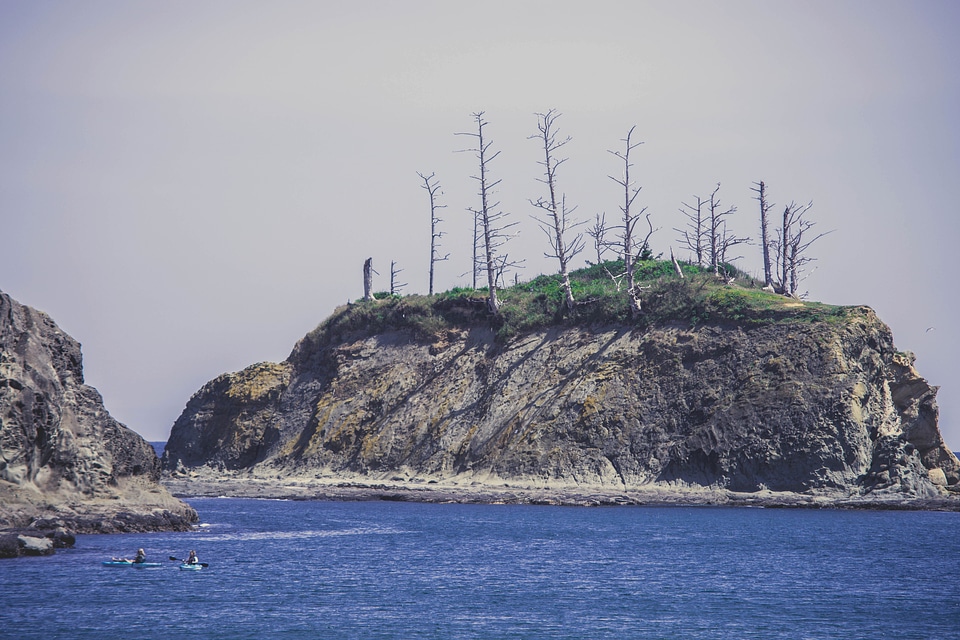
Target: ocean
x,y
285,569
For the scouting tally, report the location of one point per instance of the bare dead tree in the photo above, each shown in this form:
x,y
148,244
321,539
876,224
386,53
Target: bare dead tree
x,y
720,239
558,217
599,234
693,237
765,208
368,279
432,187
601,245
502,264
630,217
644,252
395,286
727,241
492,221
791,245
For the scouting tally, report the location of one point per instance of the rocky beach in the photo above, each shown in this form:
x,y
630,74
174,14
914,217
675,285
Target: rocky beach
x,y
229,485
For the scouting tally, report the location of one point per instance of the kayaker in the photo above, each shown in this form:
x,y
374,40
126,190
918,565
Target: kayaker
x,y
192,559
141,558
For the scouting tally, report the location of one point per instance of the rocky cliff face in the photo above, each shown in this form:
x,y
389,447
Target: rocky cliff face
x,y
64,461
802,407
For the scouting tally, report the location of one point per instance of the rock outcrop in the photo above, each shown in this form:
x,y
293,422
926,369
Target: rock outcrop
x,y
826,407
65,463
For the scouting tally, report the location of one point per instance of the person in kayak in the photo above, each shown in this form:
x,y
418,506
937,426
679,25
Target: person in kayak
x,y
140,559
193,559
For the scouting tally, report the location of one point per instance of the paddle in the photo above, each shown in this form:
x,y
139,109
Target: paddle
x,y
202,564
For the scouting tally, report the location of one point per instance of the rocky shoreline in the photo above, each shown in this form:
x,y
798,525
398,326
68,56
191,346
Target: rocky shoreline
x,y
40,540
472,492
27,533
43,536
66,465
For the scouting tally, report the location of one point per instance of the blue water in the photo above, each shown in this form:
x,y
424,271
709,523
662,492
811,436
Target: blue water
x,y
399,570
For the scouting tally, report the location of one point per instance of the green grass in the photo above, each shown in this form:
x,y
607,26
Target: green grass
x,y
697,299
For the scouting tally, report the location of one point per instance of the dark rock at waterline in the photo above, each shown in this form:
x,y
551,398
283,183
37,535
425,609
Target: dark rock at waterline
x,y
9,545
34,546
34,542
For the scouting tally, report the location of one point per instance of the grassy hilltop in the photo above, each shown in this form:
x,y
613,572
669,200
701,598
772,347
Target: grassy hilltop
x,y
697,298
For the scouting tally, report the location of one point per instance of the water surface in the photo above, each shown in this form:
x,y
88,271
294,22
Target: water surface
x,y
400,570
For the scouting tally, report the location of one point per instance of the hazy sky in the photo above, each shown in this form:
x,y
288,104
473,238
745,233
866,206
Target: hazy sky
x,y
188,187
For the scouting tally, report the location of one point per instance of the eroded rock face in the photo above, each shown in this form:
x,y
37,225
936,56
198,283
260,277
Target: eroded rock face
x,y
61,453
785,407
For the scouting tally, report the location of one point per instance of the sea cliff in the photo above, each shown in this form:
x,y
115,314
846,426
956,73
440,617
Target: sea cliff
x,y
797,404
65,462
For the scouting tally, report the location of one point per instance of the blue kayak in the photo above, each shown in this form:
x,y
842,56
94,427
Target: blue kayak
x,y
191,567
127,563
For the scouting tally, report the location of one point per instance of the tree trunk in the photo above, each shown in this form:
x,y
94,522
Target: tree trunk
x,y
714,233
764,239
676,265
784,251
368,279
476,244
494,302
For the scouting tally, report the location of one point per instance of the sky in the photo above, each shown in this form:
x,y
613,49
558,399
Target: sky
x,y
189,187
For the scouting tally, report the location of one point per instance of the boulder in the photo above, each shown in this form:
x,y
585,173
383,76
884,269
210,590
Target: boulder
x,y
9,545
33,546
937,477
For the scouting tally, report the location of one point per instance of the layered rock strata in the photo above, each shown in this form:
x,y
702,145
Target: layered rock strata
x,y
810,408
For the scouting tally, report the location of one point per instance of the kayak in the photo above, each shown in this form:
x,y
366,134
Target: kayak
x,y
190,567
125,563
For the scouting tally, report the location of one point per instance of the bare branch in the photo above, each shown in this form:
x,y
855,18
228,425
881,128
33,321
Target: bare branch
x,y
395,286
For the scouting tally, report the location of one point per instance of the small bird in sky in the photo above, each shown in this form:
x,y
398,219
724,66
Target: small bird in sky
x,y
929,329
